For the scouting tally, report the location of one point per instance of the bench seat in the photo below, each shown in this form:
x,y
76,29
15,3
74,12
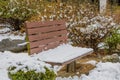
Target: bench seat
x,y
63,54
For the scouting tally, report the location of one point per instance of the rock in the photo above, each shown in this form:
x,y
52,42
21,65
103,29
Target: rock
x,y
12,45
18,49
2,47
111,58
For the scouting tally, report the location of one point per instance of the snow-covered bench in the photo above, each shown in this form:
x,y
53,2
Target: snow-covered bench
x,y
49,39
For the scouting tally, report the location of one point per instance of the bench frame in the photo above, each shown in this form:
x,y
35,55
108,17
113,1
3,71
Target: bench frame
x,y
48,35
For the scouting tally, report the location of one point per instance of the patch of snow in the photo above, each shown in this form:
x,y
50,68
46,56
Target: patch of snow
x,y
11,36
77,72
57,68
105,71
93,62
4,30
101,45
22,44
8,59
118,31
69,78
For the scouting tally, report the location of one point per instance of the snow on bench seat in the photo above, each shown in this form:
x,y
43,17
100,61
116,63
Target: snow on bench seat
x,y
63,54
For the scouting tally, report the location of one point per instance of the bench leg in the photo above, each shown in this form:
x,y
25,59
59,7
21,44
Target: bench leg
x,y
71,67
74,66
68,67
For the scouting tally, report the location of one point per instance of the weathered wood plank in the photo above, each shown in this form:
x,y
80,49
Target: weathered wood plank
x,y
41,24
46,29
47,41
47,35
36,50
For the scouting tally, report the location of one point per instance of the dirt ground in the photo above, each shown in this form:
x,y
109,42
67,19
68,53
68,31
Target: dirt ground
x,y
81,67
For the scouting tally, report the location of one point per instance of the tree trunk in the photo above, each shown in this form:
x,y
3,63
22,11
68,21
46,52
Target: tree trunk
x,y
103,4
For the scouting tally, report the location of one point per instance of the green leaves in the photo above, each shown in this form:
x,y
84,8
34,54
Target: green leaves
x,y
113,41
20,10
31,75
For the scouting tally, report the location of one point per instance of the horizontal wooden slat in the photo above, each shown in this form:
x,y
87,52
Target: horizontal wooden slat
x,y
47,35
36,50
46,23
53,45
46,29
47,41
46,47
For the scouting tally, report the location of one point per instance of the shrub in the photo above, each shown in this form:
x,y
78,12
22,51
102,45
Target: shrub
x,y
111,58
32,75
91,32
72,12
113,41
32,70
16,12
94,32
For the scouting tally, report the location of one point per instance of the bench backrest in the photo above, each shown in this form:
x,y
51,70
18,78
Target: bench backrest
x,y
45,35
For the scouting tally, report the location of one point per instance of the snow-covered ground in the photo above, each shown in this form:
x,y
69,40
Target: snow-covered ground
x,y
11,59
9,35
103,71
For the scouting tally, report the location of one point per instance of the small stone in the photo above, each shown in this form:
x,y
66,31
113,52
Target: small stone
x,y
111,58
77,72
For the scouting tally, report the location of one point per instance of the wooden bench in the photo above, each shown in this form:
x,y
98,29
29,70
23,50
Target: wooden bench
x,y
48,35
